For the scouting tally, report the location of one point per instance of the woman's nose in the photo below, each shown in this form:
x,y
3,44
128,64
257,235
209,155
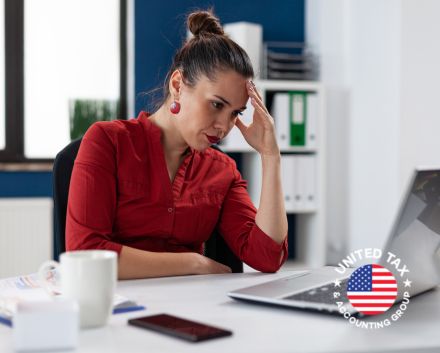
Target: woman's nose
x,y
222,124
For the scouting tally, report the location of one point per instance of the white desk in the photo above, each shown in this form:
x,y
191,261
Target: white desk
x,y
256,328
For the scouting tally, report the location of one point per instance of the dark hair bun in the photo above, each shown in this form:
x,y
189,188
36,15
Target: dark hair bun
x,y
204,22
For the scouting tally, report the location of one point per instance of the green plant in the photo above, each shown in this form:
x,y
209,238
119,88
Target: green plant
x,y
85,112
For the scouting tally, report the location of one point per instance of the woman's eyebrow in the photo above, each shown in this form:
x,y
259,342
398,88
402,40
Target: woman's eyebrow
x,y
225,101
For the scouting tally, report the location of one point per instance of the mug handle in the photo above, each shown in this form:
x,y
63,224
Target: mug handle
x,y
48,275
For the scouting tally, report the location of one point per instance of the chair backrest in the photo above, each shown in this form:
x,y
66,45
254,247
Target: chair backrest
x,y
215,248
62,171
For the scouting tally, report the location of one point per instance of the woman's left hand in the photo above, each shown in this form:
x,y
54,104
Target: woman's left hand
x,y
260,134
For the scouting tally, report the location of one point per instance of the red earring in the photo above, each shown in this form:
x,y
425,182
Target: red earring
x,y
175,107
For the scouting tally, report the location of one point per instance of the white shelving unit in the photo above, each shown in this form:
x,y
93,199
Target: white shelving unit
x,y
309,225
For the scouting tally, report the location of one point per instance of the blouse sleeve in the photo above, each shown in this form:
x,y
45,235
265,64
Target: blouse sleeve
x,y
92,194
238,228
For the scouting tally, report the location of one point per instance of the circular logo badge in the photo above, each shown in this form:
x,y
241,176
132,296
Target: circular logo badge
x,y
372,289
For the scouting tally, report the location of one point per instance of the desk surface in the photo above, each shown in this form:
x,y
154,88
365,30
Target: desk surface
x,y
256,328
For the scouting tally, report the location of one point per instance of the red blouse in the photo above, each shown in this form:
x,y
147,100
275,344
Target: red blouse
x,y
121,194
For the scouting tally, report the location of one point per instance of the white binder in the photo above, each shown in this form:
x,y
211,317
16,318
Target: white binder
x,y
288,181
305,197
280,114
300,183
312,120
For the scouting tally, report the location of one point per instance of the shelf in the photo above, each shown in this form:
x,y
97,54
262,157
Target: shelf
x,y
302,211
286,85
26,167
282,150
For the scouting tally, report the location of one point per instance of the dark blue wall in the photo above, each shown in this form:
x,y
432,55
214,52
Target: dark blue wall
x,y
25,184
160,29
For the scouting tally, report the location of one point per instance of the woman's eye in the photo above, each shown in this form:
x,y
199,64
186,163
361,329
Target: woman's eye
x,y
217,105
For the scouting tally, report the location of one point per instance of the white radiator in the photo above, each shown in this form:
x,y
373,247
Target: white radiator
x,y
26,231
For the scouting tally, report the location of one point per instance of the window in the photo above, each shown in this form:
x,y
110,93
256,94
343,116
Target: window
x,y
64,68
2,75
72,61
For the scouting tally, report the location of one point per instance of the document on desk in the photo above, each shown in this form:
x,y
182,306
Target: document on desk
x,y
27,288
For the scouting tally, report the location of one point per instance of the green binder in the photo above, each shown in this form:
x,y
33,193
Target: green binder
x,y
298,117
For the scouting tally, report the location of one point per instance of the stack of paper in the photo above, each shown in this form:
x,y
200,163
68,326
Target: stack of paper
x,y
27,288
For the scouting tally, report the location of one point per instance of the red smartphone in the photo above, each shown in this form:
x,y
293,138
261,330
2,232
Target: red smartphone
x,y
178,327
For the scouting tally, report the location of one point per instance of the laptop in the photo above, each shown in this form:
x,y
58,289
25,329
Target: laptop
x,y
414,238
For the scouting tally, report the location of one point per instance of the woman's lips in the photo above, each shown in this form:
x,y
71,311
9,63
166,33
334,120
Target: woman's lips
x,y
213,139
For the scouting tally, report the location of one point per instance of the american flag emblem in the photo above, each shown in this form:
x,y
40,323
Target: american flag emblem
x,y
372,289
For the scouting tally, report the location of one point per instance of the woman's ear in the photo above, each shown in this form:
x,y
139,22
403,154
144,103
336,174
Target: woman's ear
x,y
175,84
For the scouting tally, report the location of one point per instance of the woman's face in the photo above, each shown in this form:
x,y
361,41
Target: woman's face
x,y
209,110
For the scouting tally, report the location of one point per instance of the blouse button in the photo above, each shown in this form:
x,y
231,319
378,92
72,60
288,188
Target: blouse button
x,y
170,209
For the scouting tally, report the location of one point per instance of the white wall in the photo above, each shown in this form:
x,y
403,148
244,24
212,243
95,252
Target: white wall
x,y
330,39
26,232
374,120
380,63
420,94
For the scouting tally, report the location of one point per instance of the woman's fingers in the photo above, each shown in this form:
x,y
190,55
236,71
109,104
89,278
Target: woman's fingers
x,y
253,94
254,88
225,269
217,267
261,111
241,126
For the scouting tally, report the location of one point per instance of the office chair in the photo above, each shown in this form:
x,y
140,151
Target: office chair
x,y
215,247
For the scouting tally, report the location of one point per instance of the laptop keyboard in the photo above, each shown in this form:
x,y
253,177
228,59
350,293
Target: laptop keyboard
x,y
322,294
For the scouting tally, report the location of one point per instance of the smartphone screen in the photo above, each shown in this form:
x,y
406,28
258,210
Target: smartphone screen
x,y
178,327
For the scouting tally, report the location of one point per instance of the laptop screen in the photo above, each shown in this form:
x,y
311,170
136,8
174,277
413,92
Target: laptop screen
x,y
416,235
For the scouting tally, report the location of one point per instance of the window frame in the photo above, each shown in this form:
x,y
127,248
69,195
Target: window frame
x,y
14,80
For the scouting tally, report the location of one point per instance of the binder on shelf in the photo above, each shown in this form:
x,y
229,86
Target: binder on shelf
x,y
298,114
280,113
305,176
300,183
288,181
312,107
298,177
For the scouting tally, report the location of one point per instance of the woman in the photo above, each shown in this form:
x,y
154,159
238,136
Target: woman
x,y
153,190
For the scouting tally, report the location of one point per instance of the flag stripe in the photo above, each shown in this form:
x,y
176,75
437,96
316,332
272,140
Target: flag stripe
x,y
381,274
384,277
371,308
385,289
372,312
371,297
384,285
378,281
385,302
375,293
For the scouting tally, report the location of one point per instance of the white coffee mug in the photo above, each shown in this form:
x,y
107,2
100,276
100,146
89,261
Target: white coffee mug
x,y
88,277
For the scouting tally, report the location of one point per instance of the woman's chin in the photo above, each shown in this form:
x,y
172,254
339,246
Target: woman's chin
x,y
202,148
